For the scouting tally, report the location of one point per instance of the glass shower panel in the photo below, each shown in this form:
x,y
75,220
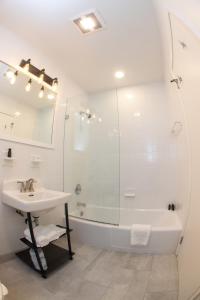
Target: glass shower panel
x,y
91,157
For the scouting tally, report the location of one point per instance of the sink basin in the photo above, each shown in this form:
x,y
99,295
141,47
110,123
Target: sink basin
x,y
40,199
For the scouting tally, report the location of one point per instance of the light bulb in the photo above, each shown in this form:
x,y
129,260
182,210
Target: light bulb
x,y
100,120
13,78
87,111
27,64
87,23
17,114
41,77
51,96
119,74
55,84
41,93
28,86
137,114
93,116
9,74
129,96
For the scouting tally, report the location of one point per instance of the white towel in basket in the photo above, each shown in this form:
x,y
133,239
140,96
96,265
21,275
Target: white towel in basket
x,y
140,234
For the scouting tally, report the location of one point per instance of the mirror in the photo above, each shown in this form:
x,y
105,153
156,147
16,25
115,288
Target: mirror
x,y
26,107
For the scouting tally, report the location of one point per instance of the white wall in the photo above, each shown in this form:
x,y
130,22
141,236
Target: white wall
x,y
12,50
185,106
146,147
131,151
184,10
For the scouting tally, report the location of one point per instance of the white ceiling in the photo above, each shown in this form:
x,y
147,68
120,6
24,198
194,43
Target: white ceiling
x,y
130,41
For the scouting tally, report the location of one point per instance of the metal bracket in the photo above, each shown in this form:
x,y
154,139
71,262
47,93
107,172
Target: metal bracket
x,y
181,240
66,116
178,81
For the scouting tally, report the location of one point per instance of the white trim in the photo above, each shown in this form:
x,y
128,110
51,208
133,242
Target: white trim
x,y
27,142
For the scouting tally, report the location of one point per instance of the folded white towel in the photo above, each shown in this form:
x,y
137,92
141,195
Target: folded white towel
x,y
40,236
140,234
44,234
3,291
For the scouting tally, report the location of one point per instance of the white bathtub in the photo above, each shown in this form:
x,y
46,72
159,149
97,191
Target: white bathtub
x,y
165,235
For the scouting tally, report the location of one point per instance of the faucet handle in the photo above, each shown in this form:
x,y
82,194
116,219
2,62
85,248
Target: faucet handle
x,y
22,186
29,184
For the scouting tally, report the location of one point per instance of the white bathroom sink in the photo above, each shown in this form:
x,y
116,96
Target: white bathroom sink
x,y
40,199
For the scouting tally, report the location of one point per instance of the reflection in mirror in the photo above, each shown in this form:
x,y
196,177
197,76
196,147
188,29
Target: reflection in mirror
x,y
26,107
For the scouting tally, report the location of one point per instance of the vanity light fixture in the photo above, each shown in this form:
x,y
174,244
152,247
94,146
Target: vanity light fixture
x,y
27,64
41,93
28,86
41,77
38,74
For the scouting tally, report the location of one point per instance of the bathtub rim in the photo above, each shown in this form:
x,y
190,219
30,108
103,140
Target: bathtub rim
x,y
177,226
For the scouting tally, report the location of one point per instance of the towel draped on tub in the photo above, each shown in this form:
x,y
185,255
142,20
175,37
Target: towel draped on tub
x,y
140,234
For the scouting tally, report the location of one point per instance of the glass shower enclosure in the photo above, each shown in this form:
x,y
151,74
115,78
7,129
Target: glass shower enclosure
x,y
91,157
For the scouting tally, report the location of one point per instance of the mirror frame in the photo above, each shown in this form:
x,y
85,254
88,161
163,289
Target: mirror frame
x,y
29,141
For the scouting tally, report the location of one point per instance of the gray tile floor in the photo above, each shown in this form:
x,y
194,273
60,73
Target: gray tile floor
x,y
96,274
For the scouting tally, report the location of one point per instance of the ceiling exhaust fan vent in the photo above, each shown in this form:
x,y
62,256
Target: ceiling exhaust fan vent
x,y
89,22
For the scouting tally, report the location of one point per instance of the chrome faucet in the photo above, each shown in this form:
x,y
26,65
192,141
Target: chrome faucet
x,y
29,185
26,186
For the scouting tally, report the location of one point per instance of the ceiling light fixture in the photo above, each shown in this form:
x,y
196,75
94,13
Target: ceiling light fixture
x,y
41,93
119,74
28,86
89,22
